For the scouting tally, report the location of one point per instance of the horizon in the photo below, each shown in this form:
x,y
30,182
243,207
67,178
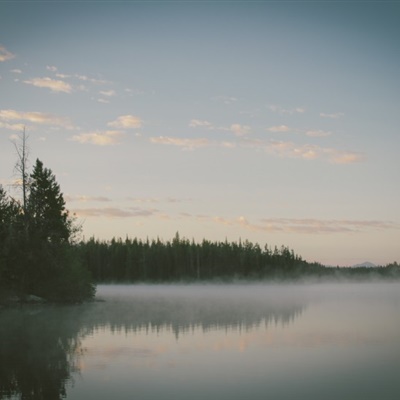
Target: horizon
x,y
273,122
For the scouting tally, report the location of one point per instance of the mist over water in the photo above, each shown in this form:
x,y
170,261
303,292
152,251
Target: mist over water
x,y
256,341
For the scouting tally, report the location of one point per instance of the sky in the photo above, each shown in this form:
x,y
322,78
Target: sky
x,y
275,122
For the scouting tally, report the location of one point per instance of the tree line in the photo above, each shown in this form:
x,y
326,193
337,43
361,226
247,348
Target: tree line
x,y
181,259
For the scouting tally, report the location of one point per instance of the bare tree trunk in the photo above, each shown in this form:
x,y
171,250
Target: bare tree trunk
x,y
22,166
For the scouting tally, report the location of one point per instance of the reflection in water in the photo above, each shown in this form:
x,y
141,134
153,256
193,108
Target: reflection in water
x,y
226,342
40,346
39,349
184,308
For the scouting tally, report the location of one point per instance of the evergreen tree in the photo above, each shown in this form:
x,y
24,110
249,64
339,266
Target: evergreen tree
x,y
46,211
37,252
55,271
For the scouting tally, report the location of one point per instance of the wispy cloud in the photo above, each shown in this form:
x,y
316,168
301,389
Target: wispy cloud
x,y
146,200
114,212
194,123
16,71
240,130
286,111
51,68
85,199
77,77
291,150
333,115
5,55
185,143
52,84
237,129
108,93
312,152
280,148
35,117
226,99
12,127
345,157
86,78
99,138
306,225
318,133
279,128
126,122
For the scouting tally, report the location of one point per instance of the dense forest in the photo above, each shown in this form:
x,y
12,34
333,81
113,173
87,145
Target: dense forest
x,y
135,260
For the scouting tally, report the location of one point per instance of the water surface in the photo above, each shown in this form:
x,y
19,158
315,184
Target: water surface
x,y
321,341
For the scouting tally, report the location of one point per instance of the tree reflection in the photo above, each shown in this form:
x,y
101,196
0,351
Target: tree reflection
x,y
41,346
39,350
189,309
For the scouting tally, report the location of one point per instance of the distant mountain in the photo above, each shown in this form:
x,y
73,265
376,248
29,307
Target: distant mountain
x,y
365,264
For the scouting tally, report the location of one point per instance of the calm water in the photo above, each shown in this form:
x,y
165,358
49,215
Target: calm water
x,y
322,341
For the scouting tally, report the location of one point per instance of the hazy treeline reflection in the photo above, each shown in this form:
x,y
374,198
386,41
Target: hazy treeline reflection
x,y
40,346
183,308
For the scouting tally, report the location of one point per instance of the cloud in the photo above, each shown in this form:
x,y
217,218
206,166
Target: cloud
x,y
12,127
16,71
311,132
342,157
108,93
114,212
63,76
194,123
95,81
318,133
5,55
226,99
283,149
51,68
237,129
334,115
310,225
35,117
312,152
187,144
126,121
306,225
85,199
103,101
99,138
240,130
141,200
228,145
52,84
283,111
279,128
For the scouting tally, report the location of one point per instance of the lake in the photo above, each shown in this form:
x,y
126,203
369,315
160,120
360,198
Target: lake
x,y
244,341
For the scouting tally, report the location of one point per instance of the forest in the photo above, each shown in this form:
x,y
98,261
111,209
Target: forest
x,y
184,260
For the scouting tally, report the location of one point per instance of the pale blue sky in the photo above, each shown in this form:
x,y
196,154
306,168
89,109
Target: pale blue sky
x,y
276,122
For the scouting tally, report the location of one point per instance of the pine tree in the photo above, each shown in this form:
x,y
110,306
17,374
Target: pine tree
x,y
46,211
55,270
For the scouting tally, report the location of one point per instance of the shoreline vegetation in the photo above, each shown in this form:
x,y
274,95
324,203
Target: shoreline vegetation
x,y
42,259
38,256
